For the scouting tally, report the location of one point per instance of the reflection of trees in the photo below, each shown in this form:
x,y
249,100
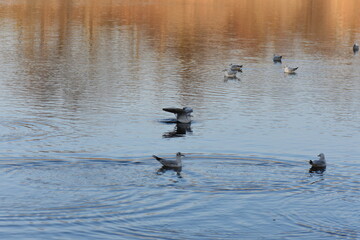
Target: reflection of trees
x,y
70,38
186,22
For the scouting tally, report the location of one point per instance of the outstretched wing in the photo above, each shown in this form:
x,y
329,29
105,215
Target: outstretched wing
x,y
174,110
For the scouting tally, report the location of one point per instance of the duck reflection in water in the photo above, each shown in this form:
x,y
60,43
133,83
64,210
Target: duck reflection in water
x,y
180,130
164,169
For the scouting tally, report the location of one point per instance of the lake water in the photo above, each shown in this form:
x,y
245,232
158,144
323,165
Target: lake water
x,y
82,87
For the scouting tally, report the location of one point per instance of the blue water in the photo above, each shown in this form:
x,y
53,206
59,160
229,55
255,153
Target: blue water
x,y
81,116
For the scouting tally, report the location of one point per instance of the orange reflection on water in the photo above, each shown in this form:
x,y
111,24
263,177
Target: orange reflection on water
x,y
250,19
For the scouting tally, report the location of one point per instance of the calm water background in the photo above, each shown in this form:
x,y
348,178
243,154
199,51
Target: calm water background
x,y
82,85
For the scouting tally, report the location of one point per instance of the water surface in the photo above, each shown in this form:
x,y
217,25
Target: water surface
x,y
82,88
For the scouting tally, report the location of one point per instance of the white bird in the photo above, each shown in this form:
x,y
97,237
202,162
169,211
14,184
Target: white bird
x,y
171,163
320,163
277,58
183,115
356,47
290,69
235,67
229,73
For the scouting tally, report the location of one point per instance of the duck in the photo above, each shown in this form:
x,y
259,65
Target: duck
x,y
229,73
356,47
235,67
320,163
277,58
177,163
290,69
183,115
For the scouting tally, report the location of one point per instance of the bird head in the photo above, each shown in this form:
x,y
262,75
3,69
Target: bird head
x,y
179,154
188,109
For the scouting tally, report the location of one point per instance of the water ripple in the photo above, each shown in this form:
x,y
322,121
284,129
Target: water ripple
x,y
126,197
25,130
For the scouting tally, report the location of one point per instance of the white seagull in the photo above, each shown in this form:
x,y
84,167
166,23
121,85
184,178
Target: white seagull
x,y
235,67
183,115
277,58
320,163
290,69
229,73
171,163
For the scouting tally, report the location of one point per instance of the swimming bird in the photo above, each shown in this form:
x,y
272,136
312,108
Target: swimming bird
x,y
235,67
320,163
277,58
229,73
356,47
183,115
290,69
171,163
